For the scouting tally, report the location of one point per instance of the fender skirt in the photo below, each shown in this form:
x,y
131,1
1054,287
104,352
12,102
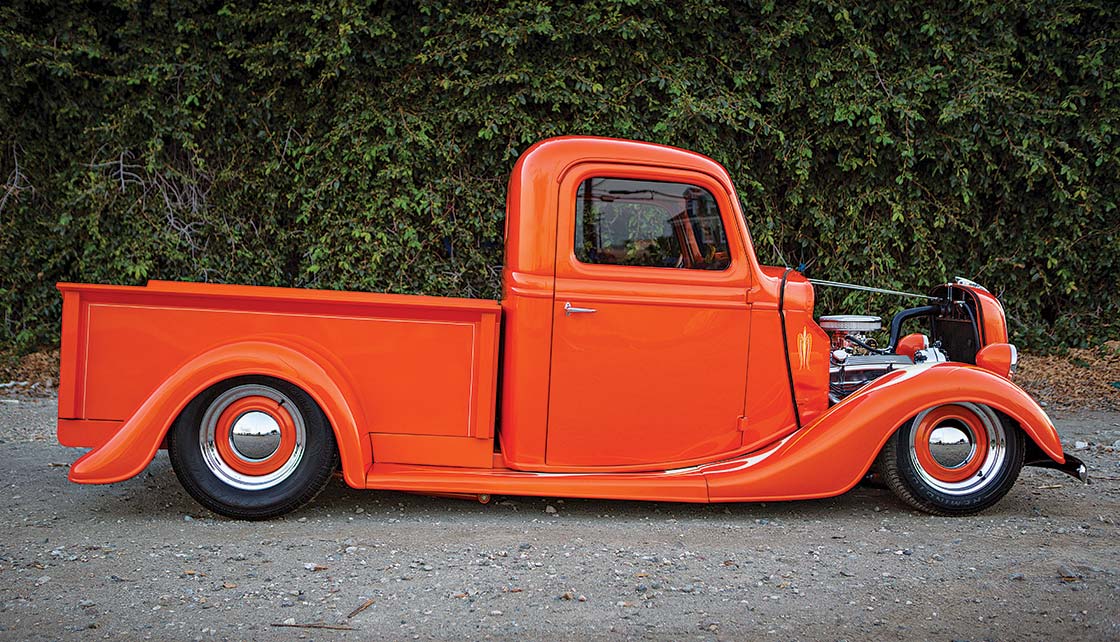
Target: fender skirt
x,y
132,448
830,455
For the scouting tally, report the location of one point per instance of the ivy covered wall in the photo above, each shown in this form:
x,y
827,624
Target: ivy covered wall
x,y
366,145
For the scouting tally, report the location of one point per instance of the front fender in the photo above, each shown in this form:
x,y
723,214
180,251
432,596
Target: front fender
x,y
135,444
833,453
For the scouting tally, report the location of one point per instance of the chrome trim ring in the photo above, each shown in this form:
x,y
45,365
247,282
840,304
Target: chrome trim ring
x,y
207,436
994,454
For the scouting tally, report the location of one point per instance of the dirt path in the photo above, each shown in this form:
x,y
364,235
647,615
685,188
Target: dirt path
x,y
140,559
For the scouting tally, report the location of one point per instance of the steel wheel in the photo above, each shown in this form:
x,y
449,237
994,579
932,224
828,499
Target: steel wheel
x,y
956,448
252,437
252,448
953,459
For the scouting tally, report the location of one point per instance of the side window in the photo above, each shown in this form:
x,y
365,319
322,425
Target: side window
x,y
624,221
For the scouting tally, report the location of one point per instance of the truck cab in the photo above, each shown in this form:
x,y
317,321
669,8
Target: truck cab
x,y
631,292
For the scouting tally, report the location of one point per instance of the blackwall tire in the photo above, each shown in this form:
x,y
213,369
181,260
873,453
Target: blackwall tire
x,y
953,459
252,448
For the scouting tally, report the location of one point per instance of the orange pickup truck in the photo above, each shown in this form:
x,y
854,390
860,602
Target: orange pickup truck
x,y
640,351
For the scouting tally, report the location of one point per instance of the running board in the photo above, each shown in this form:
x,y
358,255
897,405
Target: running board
x,y
674,486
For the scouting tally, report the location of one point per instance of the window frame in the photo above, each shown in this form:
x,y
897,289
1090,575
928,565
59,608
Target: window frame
x,y
738,273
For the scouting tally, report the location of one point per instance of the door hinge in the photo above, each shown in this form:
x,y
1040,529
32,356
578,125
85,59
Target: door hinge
x,y
741,423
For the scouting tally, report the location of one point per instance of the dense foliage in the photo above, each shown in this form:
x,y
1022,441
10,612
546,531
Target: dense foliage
x,y
366,145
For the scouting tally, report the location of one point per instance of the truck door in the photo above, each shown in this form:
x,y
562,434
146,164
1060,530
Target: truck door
x,y
650,320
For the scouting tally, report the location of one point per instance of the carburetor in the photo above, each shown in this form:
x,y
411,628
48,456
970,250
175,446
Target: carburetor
x,y
850,330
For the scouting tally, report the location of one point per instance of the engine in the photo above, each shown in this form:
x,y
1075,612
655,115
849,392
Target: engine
x,y
963,322
857,359
963,319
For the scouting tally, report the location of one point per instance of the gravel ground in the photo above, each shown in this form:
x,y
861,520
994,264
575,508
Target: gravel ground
x,y
140,559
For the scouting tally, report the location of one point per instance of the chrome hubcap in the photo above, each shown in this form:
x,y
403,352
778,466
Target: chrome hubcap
x,y
952,445
253,437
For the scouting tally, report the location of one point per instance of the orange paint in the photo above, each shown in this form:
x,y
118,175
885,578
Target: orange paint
x,y
911,343
998,358
618,379
930,422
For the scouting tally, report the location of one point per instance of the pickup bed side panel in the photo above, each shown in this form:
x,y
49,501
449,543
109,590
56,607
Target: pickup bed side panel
x,y
407,367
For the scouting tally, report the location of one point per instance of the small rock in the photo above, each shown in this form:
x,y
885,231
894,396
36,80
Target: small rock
x,y
1067,574
42,580
85,604
550,509
1018,577
524,546
495,612
1080,445
582,598
188,518
290,621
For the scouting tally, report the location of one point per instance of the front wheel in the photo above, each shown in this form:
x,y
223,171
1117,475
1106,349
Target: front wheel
x,y
252,448
953,459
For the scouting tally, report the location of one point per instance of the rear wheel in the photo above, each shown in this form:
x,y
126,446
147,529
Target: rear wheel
x,y
953,459
252,448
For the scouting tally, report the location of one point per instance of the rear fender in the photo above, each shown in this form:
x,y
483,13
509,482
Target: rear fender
x,y
833,453
133,446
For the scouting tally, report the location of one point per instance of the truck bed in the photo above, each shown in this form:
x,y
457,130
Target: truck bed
x,y
424,369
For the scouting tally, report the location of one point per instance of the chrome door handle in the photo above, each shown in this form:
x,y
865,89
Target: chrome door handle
x,y
569,310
